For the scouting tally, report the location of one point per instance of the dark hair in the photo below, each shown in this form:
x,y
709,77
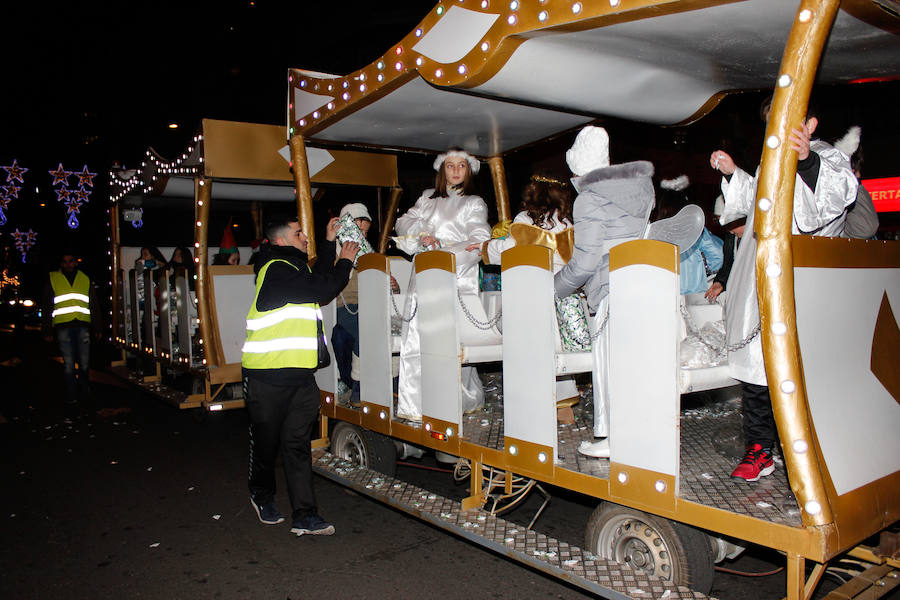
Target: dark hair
x,y
467,188
187,259
68,252
156,254
275,226
856,161
543,196
221,258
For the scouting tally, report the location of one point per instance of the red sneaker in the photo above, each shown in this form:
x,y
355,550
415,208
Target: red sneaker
x,y
757,462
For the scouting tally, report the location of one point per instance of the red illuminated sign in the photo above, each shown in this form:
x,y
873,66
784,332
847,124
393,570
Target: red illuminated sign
x,y
885,193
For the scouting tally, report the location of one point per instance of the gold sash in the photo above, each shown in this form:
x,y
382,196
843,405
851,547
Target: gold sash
x,y
562,242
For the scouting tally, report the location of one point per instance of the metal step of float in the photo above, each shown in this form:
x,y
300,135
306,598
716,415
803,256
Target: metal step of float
x,y
606,578
162,391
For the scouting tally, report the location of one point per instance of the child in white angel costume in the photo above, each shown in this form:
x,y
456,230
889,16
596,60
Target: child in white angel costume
x,y
449,217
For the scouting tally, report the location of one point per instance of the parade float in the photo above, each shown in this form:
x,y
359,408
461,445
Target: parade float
x,y
494,77
188,324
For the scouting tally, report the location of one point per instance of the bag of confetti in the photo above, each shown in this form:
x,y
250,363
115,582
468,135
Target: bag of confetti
x,y
348,231
573,324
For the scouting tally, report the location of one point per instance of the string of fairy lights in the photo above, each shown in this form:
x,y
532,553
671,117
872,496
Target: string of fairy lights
x,y
143,181
513,17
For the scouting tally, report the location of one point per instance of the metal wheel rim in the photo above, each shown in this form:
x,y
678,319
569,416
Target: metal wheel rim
x,y
629,540
351,447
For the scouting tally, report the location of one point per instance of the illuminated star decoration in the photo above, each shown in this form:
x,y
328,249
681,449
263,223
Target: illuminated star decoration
x,y
60,175
24,241
73,207
62,194
82,194
10,191
85,177
14,172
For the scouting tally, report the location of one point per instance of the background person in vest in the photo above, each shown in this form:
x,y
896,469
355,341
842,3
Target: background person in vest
x,y
279,359
68,304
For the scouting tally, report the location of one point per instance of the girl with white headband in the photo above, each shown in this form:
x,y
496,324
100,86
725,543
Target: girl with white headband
x,y
450,217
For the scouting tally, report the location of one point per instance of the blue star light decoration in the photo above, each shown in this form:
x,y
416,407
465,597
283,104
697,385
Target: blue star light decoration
x,y
14,172
85,177
73,207
10,191
60,176
73,198
24,241
4,202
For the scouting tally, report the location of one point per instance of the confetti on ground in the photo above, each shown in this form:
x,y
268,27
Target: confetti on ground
x,y
113,462
666,595
706,476
570,563
763,505
149,468
636,591
191,489
217,517
21,472
154,545
12,516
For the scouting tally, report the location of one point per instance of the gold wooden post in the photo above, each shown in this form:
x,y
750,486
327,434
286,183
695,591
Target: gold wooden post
x,y
476,498
796,576
389,218
501,192
774,261
203,195
304,192
256,216
115,265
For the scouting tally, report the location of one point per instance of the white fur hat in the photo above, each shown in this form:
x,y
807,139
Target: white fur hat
x,y
590,151
356,210
474,165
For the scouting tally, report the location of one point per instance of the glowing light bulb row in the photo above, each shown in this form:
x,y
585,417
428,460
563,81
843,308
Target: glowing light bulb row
x,y
400,59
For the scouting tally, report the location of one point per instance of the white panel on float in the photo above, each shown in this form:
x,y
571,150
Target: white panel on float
x,y
375,338
316,159
436,301
327,377
643,368
306,102
455,34
234,295
529,350
855,417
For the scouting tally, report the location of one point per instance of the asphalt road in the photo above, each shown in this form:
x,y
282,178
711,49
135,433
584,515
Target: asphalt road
x,y
136,499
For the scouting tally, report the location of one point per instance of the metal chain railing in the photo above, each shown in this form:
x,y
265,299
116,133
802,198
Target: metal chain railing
x,y
399,314
695,331
483,325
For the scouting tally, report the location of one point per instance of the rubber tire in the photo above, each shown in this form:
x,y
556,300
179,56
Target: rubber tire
x,y
364,448
689,559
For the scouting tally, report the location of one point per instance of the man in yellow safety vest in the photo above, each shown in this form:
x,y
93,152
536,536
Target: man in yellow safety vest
x,y
280,356
68,308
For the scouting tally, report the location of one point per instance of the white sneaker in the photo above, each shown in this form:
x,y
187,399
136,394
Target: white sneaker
x,y
598,449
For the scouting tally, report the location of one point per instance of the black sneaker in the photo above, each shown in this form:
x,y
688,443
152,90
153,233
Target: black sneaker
x,y
312,525
267,513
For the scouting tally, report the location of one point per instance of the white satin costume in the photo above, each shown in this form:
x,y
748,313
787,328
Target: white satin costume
x,y
456,222
815,213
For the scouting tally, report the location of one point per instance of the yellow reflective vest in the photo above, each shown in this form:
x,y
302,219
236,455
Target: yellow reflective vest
x,y
284,337
71,301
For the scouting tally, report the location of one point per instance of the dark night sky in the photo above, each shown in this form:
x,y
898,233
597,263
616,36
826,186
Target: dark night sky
x,y
93,83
